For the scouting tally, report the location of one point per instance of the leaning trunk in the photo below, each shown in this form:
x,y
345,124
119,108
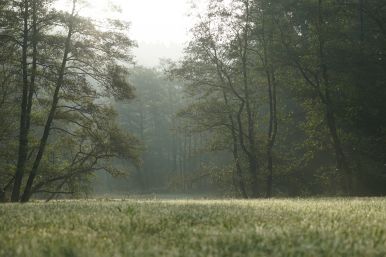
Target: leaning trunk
x,y
23,131
55,99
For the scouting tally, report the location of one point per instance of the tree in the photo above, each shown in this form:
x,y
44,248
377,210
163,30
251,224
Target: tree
x,y
319,54
70,63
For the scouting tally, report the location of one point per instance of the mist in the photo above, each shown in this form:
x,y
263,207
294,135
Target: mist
x,y
192,128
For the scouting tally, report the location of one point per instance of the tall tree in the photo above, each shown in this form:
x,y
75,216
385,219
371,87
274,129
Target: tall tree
x,y
69,64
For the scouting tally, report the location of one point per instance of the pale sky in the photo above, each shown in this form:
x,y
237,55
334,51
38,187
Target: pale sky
x,y
160,27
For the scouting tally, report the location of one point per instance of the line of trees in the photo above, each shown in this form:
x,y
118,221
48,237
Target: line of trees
x,y
295,91
272,98
175,160
58,72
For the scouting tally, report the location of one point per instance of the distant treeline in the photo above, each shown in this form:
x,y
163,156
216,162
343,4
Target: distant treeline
x,y
175,159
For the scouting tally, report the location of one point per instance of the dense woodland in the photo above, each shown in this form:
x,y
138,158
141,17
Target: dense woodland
x,y
272,98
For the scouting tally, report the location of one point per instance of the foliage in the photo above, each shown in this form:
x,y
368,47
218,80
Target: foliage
x,y
71,68
173,157
283,85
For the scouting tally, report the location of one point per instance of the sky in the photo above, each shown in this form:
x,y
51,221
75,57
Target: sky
x,y
160,27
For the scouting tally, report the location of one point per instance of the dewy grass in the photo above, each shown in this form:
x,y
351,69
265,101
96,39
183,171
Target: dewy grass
x,y
315,227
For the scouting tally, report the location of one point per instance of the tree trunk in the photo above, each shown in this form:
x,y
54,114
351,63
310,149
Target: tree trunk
x,y
23,132
239,172
55,99
341,161
34,64
141,170
2,195
253,169
252,155
271,86
272,131
235,151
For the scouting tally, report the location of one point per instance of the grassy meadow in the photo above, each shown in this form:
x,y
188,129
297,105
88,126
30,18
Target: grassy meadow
x,y
313,227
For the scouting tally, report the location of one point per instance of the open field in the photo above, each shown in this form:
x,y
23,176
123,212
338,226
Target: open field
x,y
318,227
